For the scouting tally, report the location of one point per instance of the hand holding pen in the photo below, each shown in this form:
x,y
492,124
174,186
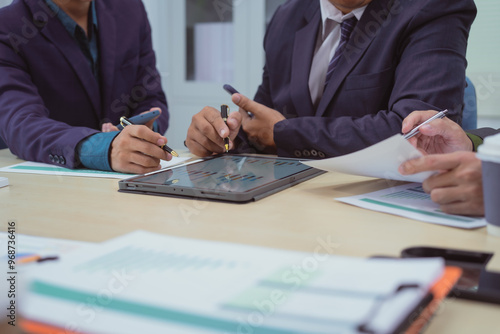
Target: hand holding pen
x,y
224,112
209,133
441,135
125,122
137,149
416,130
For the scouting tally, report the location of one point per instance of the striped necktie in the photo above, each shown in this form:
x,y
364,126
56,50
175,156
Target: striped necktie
x,y
346,29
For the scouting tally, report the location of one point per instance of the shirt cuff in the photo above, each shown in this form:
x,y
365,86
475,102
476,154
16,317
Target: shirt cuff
x,y
94,151
476,141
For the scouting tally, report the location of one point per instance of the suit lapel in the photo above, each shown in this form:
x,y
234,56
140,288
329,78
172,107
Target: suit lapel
x,y
107,51
54,31
362,36
303,51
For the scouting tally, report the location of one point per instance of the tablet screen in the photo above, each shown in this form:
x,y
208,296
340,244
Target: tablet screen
x,y
227,173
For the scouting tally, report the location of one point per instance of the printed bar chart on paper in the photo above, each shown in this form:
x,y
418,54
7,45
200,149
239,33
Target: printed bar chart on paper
x,y
411,201
143,282
47,169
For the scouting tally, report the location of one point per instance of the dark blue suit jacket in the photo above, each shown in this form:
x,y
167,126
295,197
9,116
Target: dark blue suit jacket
x,y
402,56
49,99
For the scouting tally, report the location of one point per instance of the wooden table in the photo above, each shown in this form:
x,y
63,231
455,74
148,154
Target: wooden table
x,y
299,218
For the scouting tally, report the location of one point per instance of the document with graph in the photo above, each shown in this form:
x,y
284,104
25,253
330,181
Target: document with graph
x,y
29,167
411,201
149,283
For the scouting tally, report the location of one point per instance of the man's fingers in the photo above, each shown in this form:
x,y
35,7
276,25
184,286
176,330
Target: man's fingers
x,y
145,133
429,163
108,127
474,208
203,140
132,159
214,118
207,132
139,138
248,105
459,200
438,127
416,118
200,150
234,124
441,180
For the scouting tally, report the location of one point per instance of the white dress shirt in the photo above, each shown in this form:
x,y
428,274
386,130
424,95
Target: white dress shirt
x,y
326,43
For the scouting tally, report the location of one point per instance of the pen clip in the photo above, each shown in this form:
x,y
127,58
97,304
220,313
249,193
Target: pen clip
x,y
224,110
124,121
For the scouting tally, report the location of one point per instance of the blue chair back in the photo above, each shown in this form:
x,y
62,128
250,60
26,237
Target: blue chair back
x,y
469,119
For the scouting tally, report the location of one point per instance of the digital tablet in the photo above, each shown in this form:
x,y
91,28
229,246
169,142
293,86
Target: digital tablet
x,y
232,178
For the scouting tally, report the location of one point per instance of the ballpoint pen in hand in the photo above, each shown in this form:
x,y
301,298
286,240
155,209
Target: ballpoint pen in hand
x,y
124,122
224,111
416,130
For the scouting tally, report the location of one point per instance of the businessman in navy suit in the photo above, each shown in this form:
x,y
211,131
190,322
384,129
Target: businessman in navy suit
x,y
70,68
398,56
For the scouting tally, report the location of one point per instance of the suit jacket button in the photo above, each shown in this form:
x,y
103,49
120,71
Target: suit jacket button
x,y
314,153
306,153
51,158
321,155
62,161
297,153
56,159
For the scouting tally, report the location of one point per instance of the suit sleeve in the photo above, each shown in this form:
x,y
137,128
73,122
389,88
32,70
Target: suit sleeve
x,y
477,136
484,132
263,96
430,74
24,119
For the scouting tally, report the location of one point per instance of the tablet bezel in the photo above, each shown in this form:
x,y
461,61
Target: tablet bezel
x,y
134,185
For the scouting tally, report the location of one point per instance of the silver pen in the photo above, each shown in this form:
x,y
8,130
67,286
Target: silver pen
x,y
416,131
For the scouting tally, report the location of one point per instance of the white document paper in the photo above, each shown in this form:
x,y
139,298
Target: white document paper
x,y
410,200
148,283
380,160
47,169
27,247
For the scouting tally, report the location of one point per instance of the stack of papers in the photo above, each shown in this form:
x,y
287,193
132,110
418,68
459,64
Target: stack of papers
x,y
148,283
28,251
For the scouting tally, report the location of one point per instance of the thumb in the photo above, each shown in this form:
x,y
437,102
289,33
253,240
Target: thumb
x,y
437,127
234,123
248,105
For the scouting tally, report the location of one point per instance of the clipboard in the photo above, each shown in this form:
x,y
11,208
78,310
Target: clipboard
x,y
476,283
413,323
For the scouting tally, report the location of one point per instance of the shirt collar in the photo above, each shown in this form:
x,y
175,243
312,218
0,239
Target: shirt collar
x,y
68,22
329,11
